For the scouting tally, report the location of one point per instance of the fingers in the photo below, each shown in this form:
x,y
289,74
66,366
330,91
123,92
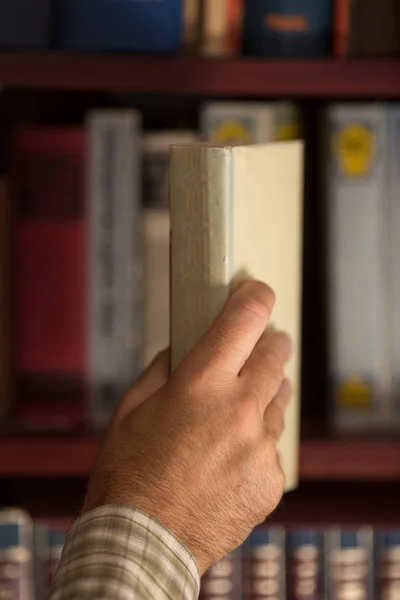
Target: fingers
x,y
231,339
153,378
265,365
274,416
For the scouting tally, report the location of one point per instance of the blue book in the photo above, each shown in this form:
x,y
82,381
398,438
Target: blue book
x,y
287,28
25,23
126,25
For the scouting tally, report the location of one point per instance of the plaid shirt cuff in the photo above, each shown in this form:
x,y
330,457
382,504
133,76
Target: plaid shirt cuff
x,y
121,553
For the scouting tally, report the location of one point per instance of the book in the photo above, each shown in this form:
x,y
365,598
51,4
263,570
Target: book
x,y
115,271
16,555
221,27
224,580
250,198
26,24
387,564
264,564
366,28
192,26
48,545
156,223
49,289
357,188
287,28
393,154
134,25
305,552
349,563
5,305
242,123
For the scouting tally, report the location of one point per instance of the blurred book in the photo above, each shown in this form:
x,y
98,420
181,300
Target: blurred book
x,y
237,209
16,555
5,304
192,25
49,289
92,25
367,29
387,564
363,272
115,270
221,27
264,564
241,123
287,28
26,24
305,552
349,563
156,222
224,580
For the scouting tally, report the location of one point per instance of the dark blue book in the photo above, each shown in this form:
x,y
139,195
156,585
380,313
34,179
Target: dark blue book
x,y
123,25
287,28
25,23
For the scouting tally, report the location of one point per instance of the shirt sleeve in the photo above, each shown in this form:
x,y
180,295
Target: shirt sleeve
x,y
120,553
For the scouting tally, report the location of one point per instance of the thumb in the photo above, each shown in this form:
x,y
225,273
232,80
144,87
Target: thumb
x,y
153,378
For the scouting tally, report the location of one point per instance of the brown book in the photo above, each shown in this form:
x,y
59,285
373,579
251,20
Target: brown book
x,y
5,363
367,29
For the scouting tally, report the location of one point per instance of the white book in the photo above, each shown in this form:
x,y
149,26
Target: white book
x,y
115,258
156,239
357,271
240,123
394,255
236,209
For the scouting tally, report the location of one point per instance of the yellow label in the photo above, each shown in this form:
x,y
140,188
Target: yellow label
x,y
232,133
354,394
288,131
355,149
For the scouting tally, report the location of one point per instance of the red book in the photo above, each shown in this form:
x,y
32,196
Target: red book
x,y
49,274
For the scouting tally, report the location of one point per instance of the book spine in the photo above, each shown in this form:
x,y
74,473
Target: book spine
x,y
49,259
342,28
115,272
215,28
357,270
305,565
200,195
191,17
139,26
5,305
156,277
223,581
264,567
387,563
349,563
393,155
291,28
16,555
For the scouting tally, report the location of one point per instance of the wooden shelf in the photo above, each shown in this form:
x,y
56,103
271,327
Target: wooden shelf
x,y
330,460
212,77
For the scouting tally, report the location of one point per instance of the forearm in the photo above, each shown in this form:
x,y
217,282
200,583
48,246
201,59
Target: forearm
x,y
121,553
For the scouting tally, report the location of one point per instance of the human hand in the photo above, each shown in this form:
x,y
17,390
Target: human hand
x,y
197,450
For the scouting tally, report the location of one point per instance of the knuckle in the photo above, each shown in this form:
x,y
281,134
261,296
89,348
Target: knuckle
x,y
245,417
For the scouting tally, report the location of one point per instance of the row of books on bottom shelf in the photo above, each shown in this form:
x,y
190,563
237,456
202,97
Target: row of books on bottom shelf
x,y
359,563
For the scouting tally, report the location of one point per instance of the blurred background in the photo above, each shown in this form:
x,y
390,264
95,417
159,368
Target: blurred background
x,y
84,255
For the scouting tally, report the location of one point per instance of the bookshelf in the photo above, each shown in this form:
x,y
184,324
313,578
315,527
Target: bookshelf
x,y
246,78
322,460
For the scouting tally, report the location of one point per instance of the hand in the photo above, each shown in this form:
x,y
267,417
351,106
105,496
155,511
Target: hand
x,y
197,451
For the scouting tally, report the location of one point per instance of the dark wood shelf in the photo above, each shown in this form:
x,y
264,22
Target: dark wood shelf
x,y
212,77
329,460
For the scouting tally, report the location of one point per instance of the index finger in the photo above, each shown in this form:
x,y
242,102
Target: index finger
x,y
231,339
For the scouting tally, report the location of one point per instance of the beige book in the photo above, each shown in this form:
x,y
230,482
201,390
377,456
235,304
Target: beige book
x,y
215,28
156,282
237,209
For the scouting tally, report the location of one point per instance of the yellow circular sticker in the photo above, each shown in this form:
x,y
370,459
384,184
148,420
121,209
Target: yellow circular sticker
x,y
355,394
355,148
288,131
232,132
